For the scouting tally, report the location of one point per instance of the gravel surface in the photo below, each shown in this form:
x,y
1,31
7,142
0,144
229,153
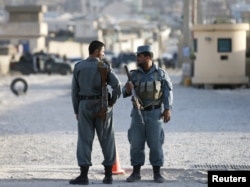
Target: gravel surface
x,y
209,129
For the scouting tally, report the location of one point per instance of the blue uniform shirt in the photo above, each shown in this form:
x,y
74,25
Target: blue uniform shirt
x,y
162,76
86,81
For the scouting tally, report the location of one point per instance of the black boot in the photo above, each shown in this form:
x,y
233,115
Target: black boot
x,y
157,175
82,178
135,176
108,175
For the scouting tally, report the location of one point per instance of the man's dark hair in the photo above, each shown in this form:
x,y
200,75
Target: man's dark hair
x,y
95,45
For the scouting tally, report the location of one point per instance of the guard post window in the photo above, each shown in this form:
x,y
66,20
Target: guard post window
x,y
224,45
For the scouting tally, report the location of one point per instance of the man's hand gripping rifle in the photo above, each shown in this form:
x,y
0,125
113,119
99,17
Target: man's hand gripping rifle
x,y
135,99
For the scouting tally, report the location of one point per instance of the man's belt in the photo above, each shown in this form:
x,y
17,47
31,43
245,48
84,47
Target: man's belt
x,y
92,97
151,107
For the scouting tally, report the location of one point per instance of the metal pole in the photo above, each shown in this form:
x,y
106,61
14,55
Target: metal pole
x,y
186,47
186,22
197,16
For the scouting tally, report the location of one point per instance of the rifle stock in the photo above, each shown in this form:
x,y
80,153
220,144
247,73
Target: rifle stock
x,y
104,99
102,113
135,98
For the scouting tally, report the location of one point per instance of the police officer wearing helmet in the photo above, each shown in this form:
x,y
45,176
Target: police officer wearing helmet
x,y
87,90
154,89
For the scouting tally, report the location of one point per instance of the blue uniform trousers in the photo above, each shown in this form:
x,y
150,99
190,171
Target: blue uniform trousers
x,y
87,126
151,133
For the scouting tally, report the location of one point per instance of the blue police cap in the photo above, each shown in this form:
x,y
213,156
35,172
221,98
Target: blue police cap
x,y
144,48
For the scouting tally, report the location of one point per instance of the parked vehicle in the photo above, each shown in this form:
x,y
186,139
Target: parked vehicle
x,y
74,61
109,55
56,65
41,63
169,60
123,58
25,65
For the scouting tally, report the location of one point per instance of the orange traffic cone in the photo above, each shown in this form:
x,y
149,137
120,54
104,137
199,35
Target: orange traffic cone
x,y
116,169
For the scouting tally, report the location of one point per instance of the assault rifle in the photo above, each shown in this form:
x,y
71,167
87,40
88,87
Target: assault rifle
x,y
135,99
104,99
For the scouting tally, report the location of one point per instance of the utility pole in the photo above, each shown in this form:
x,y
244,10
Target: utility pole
x,y
191,16
186,44
197,16
186,22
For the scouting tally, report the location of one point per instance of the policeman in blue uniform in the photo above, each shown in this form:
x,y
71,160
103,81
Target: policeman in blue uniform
x,y
86,97
154,90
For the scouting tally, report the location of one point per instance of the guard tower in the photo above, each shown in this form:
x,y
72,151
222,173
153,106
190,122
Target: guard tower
x,y
220,51
25,26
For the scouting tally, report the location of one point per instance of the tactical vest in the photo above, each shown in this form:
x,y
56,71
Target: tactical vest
x,y
149,89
